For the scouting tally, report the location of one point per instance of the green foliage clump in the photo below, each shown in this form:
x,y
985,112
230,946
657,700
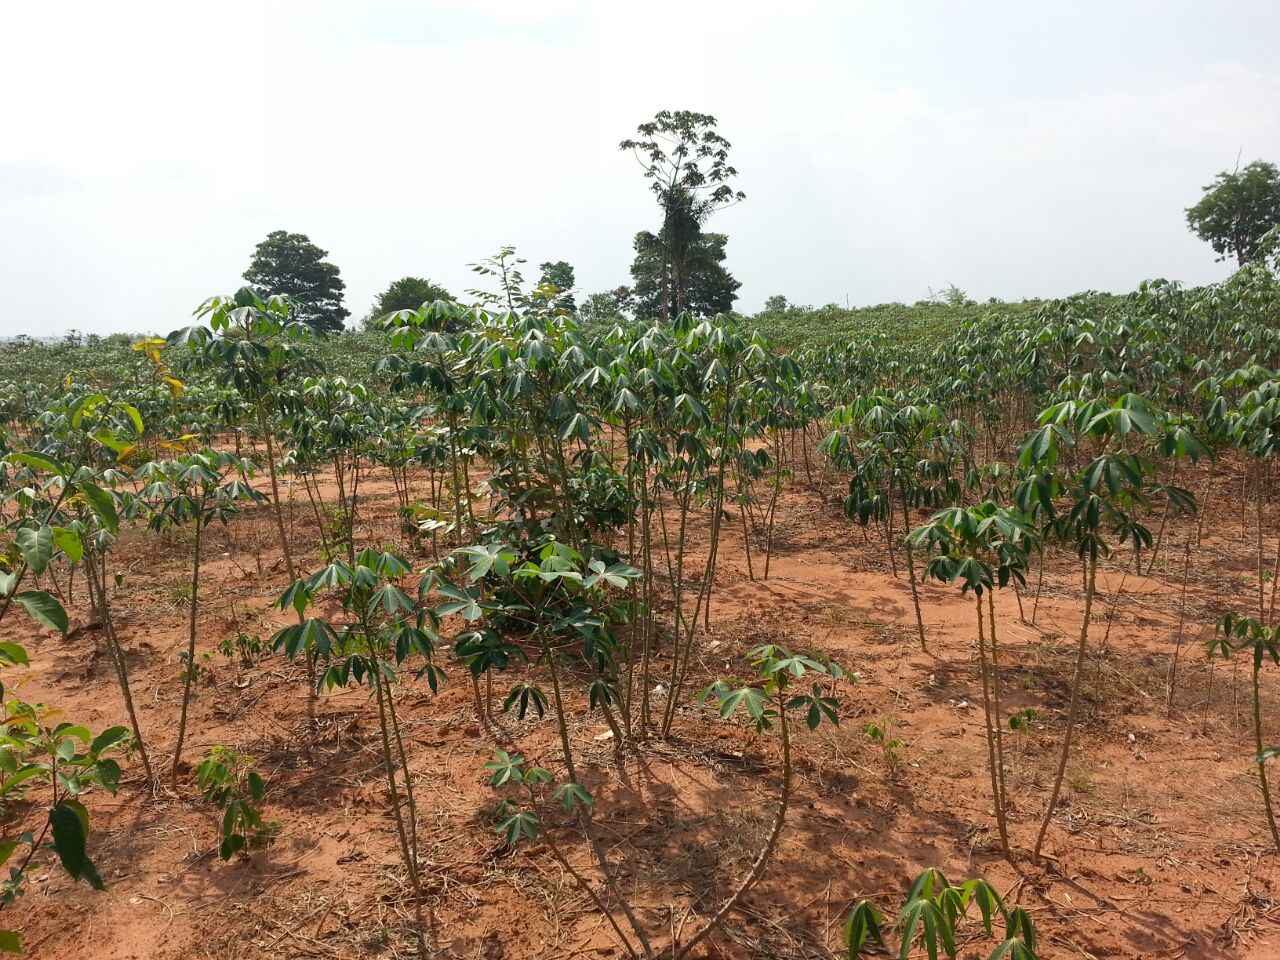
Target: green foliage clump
x,y
290,265
1238,210
228,781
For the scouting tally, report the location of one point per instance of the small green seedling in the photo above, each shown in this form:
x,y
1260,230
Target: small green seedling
x,y
932,914
1023,720
192,672
247,648
228,782
878,732
1141,876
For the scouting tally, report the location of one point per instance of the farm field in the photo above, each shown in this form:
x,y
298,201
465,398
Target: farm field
x,y
517,641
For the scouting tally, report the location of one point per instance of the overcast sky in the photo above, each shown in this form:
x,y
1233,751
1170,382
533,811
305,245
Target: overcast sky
x,y
1015,149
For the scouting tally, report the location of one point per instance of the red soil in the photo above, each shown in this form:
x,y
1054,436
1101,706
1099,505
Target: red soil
x,y
1159,848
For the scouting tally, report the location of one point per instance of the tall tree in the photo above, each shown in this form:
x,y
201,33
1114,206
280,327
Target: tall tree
x,y
608,306
687,164
1237,210
289,264
560,275
707,288
407,293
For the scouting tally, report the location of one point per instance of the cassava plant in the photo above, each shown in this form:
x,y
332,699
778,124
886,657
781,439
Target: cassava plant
x,y
981,548
767,701
45,770
252,342
1100,501
381,629
1255,428
932,915
1236,634
197,489
558,604
85,435
229,782
902,455
68,510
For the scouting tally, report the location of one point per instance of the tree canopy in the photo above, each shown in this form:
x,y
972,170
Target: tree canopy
x,y
291,265
408,293
1237,210
705,287
687,164
607,306
559,274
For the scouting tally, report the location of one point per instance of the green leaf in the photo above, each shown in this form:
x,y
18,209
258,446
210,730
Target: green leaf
x,y
23,775
69,542
80,812
506,768
1020,924
751,699
230,846
13,653
987,898
924,919
44,609
104,505
1013,949
570,795
134,416
9,942
36,546
108,773
107,739
69,841
39,461
518,826
85,405
863,925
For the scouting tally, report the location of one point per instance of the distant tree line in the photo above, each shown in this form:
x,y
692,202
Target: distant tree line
x,y
680,266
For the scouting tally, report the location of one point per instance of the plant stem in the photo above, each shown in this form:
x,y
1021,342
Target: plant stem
x,y
411,805
408,854
188,677
277,508
1090,586
1257,496
992,720
589,890
911,568
762,859
97,568
584,809
1002,810
1257,742
1182,619
1035,606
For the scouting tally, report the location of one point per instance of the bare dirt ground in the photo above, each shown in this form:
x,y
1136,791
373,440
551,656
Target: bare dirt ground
x,y
1158,850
